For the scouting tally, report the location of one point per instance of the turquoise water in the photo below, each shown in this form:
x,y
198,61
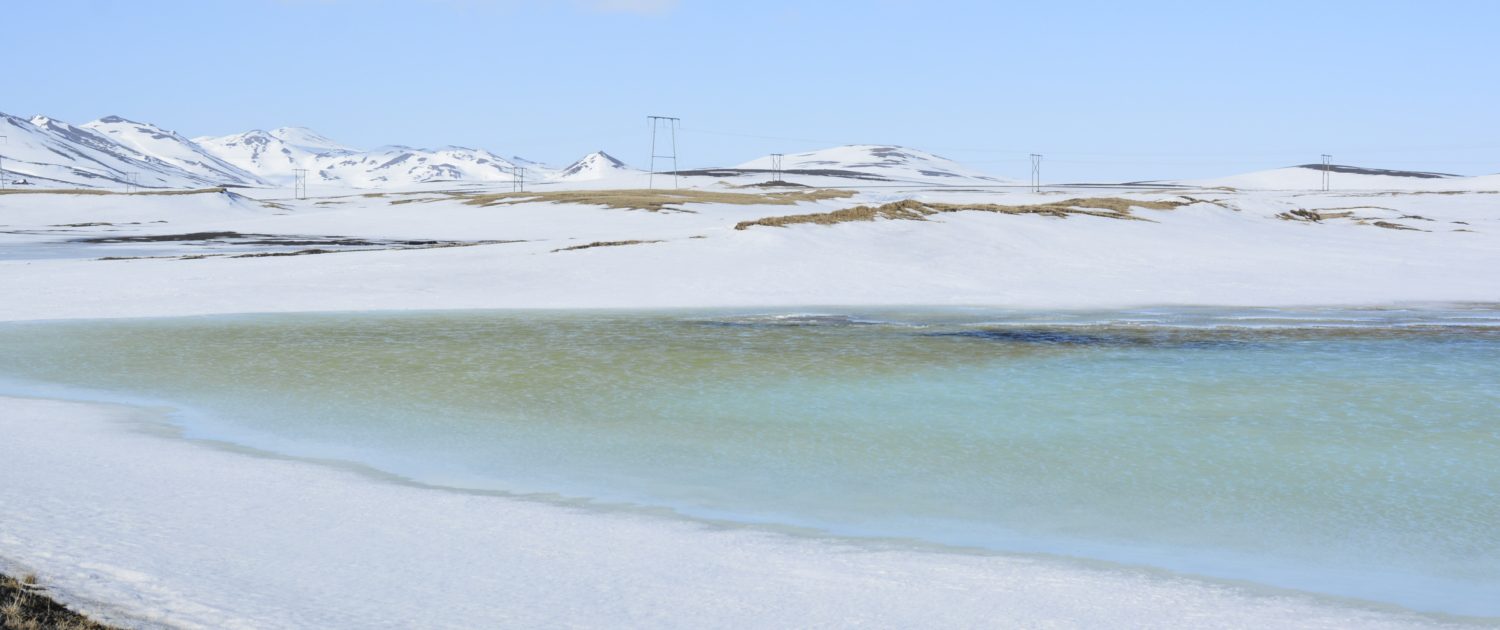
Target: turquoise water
x,y
1347,452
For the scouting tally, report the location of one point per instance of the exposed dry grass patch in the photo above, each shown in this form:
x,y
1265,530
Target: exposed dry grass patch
x,y
25,606
1328,214
913,210
602,244
419,196
1314,216
1222,203
653,200
1357,208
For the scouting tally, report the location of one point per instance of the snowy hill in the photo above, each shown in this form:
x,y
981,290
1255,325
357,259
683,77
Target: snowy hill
x,y
396,166
309,140
274,155
872,161
1483,182
48,153
1340,177
171,148
114,152
594,166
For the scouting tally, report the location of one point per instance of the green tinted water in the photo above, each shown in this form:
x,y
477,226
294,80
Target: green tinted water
x,y
1347,453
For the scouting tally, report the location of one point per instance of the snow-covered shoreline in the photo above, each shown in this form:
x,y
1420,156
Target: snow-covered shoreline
x,y
138,527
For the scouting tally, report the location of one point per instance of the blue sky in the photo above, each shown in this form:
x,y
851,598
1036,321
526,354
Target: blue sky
x,y
1106,90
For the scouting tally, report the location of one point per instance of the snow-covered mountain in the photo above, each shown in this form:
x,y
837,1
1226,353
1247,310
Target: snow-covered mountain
x,y
877,161
274,155
397,165
114,151
171,148
310,141
48,153
596,165
1340,177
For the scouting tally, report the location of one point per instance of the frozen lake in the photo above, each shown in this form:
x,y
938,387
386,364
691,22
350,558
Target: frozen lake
x,y
1351,452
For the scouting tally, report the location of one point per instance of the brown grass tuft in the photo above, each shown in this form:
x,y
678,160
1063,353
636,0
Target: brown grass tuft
x,y
24,606
652,200
602,244
913,210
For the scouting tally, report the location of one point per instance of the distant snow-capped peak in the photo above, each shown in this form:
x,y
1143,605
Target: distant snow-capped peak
x,y
277,154
596,165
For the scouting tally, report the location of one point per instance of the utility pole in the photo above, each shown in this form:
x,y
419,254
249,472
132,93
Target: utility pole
x,y
1036,172
776,167
299,185
1326,166
671,124
517,178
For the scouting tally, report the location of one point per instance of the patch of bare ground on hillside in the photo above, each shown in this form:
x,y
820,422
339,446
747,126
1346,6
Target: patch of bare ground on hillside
x,y
653,200
913,210
771,184
1411,193
603,244
1321,215
24,605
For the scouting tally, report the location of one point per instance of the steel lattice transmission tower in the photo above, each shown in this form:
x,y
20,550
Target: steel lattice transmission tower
x,y
671,124
776,167
1036,172
1327,166
299,185
3,140
517,178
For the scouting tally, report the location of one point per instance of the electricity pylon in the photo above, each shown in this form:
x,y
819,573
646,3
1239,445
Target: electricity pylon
x,y
1036,172
671,123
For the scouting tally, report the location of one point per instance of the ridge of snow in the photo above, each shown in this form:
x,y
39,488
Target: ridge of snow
x,y
885,161
277,154
47,152
400,165
170,148
1340,177
310,140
